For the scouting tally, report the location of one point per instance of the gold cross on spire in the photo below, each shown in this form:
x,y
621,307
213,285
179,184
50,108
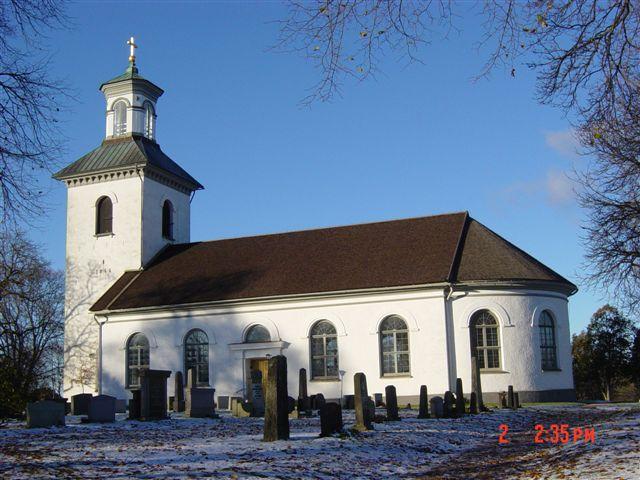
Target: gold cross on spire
x,y
132,50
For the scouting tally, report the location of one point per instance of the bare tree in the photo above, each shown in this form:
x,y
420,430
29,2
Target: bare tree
x,y
30,100
31,323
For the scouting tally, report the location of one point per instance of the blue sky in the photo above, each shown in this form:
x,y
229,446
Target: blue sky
x,y
417,140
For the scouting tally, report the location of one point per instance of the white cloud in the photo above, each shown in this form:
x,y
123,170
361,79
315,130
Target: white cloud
x,y
559,187
564,142
556,188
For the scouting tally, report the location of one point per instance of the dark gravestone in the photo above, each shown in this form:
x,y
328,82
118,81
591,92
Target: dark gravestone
x,y
102,409
199,402
46,413
361,400
510,399
134,404
476,384
437,406
377,398
391,400
370,411
320,401
257,395
473,403
304,402
121,405
178,393
312,402
330,419
276,415
349,402
224,402
153,394
459,398
80,404
449,405
502,399
516,399
424,403
291,405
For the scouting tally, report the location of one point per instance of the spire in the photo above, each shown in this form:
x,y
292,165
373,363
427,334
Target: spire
x,y
132,56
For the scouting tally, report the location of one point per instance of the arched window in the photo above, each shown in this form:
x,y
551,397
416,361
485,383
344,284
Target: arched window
x,y
486,340
104,216
167,220
548,342
324,350
394,346
196,355
257,334
120,118
149,120
137,358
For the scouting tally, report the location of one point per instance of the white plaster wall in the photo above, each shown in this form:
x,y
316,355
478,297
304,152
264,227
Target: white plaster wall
x,y
155,194
519,339
356,321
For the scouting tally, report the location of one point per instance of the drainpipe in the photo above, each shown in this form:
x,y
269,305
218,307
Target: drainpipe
x,y
99,362
450,337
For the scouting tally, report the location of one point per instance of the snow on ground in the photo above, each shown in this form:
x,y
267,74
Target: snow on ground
x,y
233,448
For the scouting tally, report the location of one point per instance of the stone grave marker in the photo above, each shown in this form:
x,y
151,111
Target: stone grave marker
x,y
437,406
320,401
502,399
364,416
516,399
276,417
45,413
178,393
391,400
257,394
476,384
349,402
304,402
121,405
510,398
423,412
377,398
330,419
80,404
460,410
134,404
448,409
153,394
102,409
473,403
199,402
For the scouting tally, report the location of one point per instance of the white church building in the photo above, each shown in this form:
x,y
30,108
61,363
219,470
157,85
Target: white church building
x,y
407,302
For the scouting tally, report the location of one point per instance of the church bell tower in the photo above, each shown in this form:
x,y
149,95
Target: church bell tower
x,y
126,200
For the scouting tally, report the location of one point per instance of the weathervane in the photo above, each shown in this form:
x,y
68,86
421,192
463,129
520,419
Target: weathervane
x,y
132,50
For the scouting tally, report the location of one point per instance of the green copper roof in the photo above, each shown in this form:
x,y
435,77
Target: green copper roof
x,y
122,152
131,73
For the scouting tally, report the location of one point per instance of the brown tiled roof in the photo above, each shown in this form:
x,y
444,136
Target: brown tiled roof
x,y
417,251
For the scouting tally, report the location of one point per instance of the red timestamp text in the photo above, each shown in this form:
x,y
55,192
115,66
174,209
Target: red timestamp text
x,y
554,434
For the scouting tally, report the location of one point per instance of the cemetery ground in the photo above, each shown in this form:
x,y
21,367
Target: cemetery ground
x,y
230,447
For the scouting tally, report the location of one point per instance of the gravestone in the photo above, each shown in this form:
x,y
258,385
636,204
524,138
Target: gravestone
x,y
134,404
330,419
45,413
257,394
320,401
448,409
361,400
304,403
240,408
349,402
224,402
370,410
276,417
153,394
178,393
423,412
391,400
459,398
516,399
476,384
80,404
473,403
437,406
102,409
502,399
199,402
510,399
377,398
